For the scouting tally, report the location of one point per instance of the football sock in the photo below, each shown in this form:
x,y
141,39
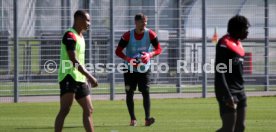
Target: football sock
x,y
130,104
240,123
228,122
146,103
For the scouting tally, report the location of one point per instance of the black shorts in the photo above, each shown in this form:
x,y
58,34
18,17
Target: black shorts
x,y
240,98
69,85
136,78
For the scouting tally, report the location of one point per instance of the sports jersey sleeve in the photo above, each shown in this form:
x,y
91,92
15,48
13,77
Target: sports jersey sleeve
x,y
126,36
234,47
69,40
122,44
155,43
124,40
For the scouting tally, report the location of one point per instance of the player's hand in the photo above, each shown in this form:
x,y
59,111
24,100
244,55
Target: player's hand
x,y
146,57
231,103
132,61
92,81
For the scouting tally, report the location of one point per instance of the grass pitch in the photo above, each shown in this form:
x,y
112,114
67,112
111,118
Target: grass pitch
x,y
172,115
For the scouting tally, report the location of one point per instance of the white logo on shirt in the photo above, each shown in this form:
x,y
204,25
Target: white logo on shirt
x,y
223,46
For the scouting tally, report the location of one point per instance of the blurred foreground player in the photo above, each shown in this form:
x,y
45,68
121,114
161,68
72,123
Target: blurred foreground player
x,y
229,87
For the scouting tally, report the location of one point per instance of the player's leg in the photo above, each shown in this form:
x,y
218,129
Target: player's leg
x,y
84,99
130,103
240,123
228,116
144,89
228,122
241,113
66,101
144,86
130,86
130,106
146,102
87,107
67,93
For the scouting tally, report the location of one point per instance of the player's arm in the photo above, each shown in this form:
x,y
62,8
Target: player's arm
x,y
234,47
81,69
70,43
221,76
119,50
229,100
157,48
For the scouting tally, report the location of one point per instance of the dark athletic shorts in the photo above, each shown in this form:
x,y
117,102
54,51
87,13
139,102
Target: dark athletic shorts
x,y
240,98
69,85
136,78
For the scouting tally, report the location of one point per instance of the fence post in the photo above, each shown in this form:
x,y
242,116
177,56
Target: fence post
x,y
15,39
62,15
111,76
179,77
204,75
266,46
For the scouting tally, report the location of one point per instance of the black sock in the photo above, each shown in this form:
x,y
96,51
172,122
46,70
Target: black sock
x,y
228,122
240,121
130,104
146,103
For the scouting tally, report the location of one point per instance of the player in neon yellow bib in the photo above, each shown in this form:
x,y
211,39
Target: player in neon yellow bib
x,y
72,74
66,66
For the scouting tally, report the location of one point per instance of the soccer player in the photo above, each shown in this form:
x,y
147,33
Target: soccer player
x,y
229,87
72,76
138,43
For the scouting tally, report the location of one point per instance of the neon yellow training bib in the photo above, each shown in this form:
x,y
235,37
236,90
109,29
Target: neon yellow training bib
x,y
65,66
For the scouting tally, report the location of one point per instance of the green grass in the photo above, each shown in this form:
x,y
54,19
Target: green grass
x,y
172,115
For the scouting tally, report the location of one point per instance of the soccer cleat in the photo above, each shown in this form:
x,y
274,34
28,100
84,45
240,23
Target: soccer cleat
x,y
133,123
149,121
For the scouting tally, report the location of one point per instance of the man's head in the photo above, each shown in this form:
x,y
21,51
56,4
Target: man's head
x,y
82,20
238,27
140,21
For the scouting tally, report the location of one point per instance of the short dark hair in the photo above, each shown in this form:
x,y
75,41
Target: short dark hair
x,y
140,16
237,23
80,13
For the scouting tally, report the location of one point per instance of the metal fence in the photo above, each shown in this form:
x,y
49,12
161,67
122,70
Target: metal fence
x,y
31,40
